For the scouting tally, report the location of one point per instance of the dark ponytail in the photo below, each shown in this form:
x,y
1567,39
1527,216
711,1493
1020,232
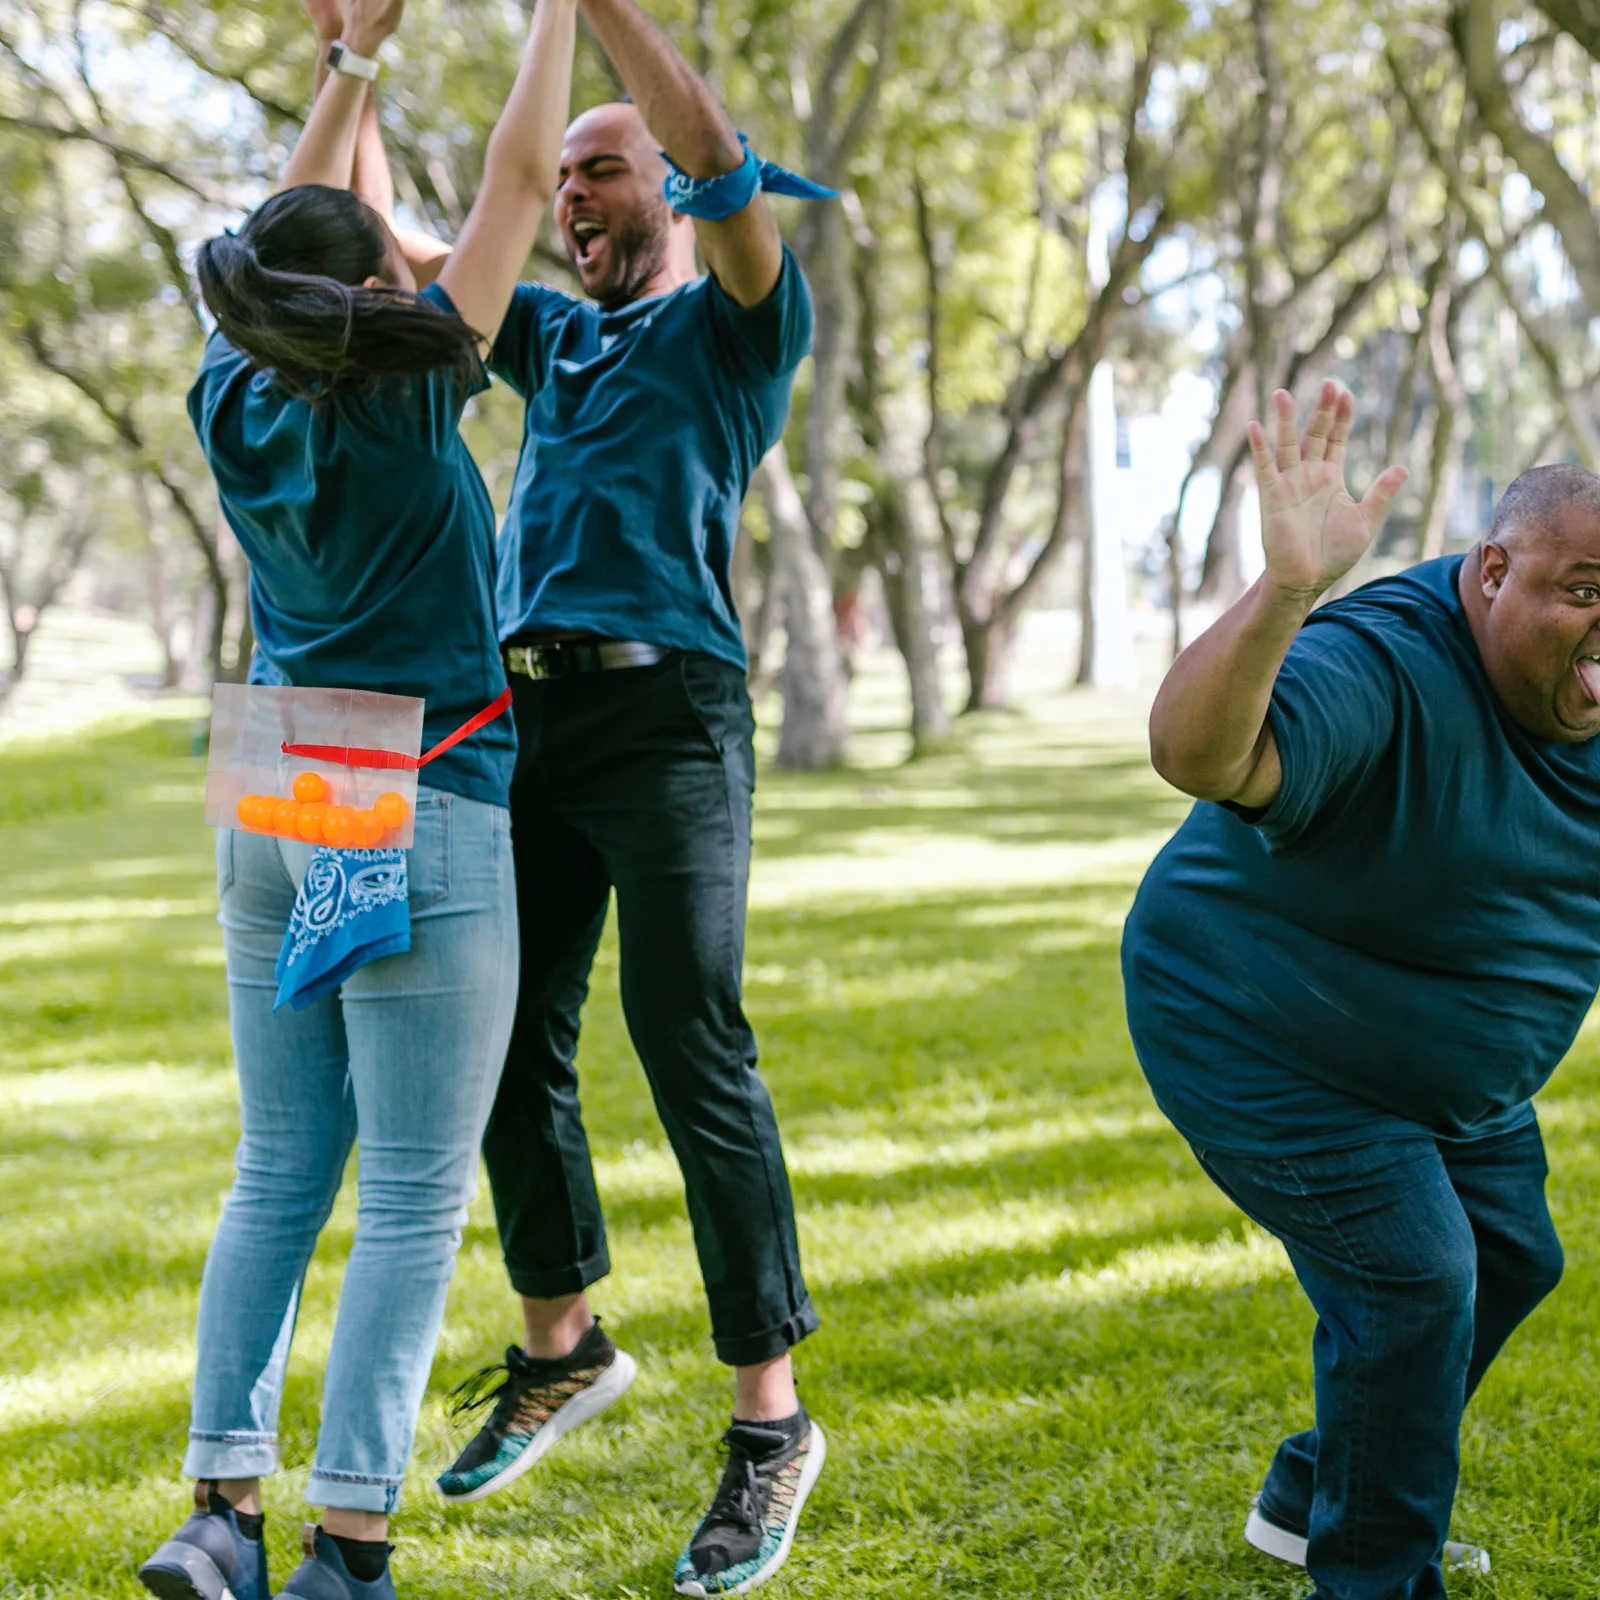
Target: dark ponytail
x,y
287,290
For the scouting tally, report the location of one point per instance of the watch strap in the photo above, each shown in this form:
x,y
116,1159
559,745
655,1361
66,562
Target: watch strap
x,y
341,58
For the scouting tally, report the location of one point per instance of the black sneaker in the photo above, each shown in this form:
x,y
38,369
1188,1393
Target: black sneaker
x,y
208,1558
534,1404
747,1534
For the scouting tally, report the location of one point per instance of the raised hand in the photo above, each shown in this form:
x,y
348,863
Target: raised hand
x,y
1313,532
326,17
370,22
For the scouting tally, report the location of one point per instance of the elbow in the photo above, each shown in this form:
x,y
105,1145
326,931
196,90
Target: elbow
x,y
519,176
1187,769
713,155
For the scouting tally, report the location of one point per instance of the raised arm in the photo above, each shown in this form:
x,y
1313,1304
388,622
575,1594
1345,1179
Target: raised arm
x,y
325,152
744,251
371,178
521,169
1209,734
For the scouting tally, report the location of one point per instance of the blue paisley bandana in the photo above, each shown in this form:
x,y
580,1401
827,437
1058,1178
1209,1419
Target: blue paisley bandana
x,y
712,199
353,907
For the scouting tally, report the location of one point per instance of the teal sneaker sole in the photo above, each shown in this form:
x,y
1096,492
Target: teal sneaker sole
x,y
605,1391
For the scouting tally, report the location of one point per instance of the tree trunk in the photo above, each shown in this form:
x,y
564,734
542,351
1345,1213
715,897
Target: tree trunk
x,y
1449,399
1084,677
987,647
158,579
1222,575
904,567
813,684
1174,542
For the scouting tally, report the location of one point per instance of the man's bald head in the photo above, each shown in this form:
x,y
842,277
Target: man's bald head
x,y
1540,499
616,125
1532,597
621,235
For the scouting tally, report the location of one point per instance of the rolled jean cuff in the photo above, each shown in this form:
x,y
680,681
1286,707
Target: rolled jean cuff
x,y
752,1349
552,1284
350,1491
230,1455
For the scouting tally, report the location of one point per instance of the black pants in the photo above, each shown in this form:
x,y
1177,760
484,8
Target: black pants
x,y
641,778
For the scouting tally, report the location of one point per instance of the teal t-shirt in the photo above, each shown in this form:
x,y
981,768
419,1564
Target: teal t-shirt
x,y
1409,935
643,428
370,538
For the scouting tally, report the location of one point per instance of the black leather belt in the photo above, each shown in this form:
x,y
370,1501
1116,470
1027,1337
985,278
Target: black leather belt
x,y
563,658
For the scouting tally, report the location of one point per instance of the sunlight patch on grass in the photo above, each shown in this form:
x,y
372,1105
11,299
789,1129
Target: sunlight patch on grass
x,y
1138,1274
902,864
73,1388
102,908
156,1088
825,986
858,1244
645,1172
70,939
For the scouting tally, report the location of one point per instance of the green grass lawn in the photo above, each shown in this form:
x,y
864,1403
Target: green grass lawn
x,y
1054,1362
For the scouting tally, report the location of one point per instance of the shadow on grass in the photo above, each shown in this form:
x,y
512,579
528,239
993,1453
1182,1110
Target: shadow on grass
x,y
1053,1360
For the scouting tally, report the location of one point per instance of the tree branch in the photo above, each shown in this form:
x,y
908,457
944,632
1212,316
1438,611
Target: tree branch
x,y
138,158
933,439
1474,27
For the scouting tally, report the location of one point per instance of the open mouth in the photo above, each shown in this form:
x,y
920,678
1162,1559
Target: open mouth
x,y
1588,670
586,233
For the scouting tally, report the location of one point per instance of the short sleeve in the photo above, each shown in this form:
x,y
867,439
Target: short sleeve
x,y
430,406
219,366
1333,715
522,344
766,341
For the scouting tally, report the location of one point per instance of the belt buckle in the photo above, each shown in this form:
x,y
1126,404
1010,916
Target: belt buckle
x,y
528,661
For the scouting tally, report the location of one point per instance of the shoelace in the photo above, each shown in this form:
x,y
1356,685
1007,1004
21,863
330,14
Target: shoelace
x,y
737,1502
474,1393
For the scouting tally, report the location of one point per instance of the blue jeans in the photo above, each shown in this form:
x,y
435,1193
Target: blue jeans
x,y
403,1062
1420,1256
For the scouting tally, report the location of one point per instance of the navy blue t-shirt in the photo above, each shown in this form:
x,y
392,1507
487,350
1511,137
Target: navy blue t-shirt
x,y
370,538
643,428
1409,934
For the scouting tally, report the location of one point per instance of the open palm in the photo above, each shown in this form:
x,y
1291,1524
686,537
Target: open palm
x,y
1312,531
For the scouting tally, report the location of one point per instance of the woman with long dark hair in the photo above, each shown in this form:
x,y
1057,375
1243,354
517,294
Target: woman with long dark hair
x,y
327,404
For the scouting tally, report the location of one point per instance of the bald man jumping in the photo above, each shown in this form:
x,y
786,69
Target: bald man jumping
x,y
648,409
1365,950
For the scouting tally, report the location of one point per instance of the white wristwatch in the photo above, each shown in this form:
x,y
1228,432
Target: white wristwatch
x,y
341,58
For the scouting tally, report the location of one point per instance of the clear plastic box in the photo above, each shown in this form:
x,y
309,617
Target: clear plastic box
x,y
365,754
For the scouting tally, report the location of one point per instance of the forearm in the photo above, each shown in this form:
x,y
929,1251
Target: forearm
x,y
1208,728
370,177
524,151
677,105
325,152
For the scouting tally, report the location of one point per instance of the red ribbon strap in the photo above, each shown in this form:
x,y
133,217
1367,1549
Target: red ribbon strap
x,y
347,756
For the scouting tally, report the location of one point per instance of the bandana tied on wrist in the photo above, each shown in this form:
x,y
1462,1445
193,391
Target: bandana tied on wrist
x,y
712,199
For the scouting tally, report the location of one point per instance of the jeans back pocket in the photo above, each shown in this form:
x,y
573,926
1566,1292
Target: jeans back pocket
x,y
428,859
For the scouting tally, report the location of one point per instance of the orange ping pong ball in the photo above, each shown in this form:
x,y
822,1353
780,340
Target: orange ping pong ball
x,y
368,829
310,786
310,822
391,809
286,818
339,826
246,809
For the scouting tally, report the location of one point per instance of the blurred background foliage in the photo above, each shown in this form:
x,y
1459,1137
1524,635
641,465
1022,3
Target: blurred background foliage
x,y
1239,195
